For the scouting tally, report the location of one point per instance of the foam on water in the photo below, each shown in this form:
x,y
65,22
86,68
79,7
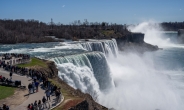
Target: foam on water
x,y
78,77
140,86
96,62
125,82
109,47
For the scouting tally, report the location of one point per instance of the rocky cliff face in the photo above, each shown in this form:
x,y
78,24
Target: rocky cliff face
x,y
134,42
51,70
131,37
87,105
70,94
86,102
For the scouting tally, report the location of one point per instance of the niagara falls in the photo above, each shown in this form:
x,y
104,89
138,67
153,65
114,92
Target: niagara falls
x,y
91,55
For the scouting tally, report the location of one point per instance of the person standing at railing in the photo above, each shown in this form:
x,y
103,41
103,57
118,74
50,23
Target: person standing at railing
x,y
44,102
35,105
36,85
11,75
58,94
30,87
29,107
39,105
48,94
33,87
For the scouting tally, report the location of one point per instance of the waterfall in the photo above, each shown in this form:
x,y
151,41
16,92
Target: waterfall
x,y
86,71
109,47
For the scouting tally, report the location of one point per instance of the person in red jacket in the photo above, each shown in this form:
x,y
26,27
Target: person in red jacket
x,y
1,77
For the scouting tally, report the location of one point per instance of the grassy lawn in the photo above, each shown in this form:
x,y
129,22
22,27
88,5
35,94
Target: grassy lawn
x,y
34,62
6,91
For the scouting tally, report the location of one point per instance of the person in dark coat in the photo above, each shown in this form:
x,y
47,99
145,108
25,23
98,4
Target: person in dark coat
x,y
44,102
35,105
11,75
39,104
30,87
29,107
4,106
36,85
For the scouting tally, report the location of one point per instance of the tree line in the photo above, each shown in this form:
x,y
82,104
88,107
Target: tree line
x,y
34,31
172,26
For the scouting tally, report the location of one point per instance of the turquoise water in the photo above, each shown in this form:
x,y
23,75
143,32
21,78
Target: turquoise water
x,y
42,50
153,80
171,58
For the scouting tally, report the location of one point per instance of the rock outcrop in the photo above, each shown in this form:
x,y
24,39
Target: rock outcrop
x,y
69,93
134,42
50,70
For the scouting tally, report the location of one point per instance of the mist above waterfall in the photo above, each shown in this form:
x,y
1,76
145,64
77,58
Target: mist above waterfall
x,y
153,33
140,85
83,71
125,82
122,80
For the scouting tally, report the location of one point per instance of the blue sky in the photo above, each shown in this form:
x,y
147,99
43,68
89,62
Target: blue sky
x,y
112,11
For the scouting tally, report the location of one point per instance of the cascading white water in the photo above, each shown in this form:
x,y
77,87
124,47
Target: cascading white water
x,y
141,81
78,77
109,47
74,70
139,84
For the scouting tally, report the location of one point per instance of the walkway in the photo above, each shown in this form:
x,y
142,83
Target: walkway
x,y
32,97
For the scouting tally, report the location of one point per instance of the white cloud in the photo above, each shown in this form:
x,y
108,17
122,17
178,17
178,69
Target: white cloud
x,y
63,6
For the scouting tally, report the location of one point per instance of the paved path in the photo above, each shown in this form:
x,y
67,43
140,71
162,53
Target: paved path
x,y
32,97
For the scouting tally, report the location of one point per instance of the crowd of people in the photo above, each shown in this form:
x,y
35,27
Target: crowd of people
x,y
37,105
15,69
4,107
8,56
14,58
40,104
50,89
37,78
5,80
20,70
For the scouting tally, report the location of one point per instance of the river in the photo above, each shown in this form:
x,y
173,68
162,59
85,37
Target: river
x,y
120,80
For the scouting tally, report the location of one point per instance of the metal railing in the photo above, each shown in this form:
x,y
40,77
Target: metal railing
x,y
47,104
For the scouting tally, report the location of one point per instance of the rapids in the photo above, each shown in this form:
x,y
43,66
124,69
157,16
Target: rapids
x,y
124,81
